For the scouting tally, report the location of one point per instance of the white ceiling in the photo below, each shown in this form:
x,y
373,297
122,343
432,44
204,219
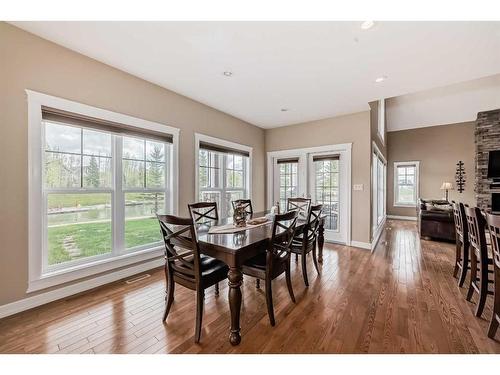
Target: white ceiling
x,y
451,104
315,69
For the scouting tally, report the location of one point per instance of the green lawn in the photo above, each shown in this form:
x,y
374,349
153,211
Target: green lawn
x,y
141,232
73,200
95,238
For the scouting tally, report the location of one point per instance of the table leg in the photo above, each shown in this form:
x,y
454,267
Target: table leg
x,y
235,277
321,240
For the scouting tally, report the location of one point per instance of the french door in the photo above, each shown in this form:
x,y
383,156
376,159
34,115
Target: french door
x,y
322,175
328,186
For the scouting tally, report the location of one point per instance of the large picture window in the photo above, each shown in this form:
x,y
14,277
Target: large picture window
x,y
90,211
223,173
101,186
406,183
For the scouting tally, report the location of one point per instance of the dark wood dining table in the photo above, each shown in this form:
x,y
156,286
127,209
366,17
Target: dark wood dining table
x,y
235,248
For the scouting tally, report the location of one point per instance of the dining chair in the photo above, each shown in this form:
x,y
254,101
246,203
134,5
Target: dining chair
x,y
493,222
462,243
186,266
301,205
304,242
203,212
247,204
479,260
276,259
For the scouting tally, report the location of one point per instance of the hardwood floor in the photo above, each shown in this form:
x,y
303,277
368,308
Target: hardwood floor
x,y
401,298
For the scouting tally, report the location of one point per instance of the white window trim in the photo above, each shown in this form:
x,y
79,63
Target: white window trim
x,y
36,279
417,182
198,137
376,226
381,120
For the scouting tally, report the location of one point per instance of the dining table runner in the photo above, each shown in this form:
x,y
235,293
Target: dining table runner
x,y
231,228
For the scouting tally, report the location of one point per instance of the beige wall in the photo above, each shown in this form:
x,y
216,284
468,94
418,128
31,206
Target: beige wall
x,y
353,128
29,62
438,148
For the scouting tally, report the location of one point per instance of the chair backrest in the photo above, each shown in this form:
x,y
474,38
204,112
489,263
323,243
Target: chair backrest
x,y
182,253
476,225
283,233
203,212
493,222
461,228
246,203
301,205
313,221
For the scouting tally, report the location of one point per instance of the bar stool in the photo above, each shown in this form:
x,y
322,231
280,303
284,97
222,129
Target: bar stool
x,y
462,243
494,229
479,259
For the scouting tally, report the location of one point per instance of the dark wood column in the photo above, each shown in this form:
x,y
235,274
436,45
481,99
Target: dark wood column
x,y
235,277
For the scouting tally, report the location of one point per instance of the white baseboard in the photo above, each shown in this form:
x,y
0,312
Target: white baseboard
x,y
411,218
53,295
376,237
362,245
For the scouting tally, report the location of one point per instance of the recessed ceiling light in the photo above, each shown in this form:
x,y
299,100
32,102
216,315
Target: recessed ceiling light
x,y
284,109
367,25
380,79
228,73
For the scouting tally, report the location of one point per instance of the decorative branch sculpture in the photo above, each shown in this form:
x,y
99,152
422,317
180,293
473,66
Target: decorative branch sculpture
x,y
460,177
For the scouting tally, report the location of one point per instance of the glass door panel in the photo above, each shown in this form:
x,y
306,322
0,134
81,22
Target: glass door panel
x,y
326,175
288,183
327,184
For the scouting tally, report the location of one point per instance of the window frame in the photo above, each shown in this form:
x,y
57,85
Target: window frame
x,y
40,277
398,164
222,167
312,194
290,174
379,163
381,120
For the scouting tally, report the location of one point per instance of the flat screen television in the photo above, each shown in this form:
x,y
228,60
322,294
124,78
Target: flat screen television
x,y
494,165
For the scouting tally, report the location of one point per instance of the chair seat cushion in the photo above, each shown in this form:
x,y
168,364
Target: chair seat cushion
x,y
256,266
207,262
297,246
298,237
258,261
212,270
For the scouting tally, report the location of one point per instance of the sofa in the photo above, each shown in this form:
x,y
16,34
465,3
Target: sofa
x,y
435,220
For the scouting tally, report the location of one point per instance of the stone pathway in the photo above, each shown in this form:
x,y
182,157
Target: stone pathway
x,y
70,246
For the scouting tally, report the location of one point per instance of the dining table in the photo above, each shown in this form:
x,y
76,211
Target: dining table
x,y
236,248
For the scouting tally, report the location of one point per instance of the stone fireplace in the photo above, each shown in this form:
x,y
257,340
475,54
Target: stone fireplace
x,y
487,136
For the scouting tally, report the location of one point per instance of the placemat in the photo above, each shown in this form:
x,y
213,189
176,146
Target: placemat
x,y
230,228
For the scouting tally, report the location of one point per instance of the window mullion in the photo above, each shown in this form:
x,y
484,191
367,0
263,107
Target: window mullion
x,y
81,158
222,184
118,198
168,204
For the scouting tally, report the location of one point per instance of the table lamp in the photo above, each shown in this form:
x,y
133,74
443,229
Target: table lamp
x,y
446,186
